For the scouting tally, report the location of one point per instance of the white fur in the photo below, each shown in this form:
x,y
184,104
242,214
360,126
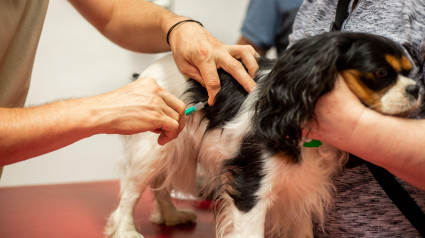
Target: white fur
x,y
395,101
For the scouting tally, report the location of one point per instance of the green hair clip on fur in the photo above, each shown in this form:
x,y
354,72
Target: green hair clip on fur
x,y
313,143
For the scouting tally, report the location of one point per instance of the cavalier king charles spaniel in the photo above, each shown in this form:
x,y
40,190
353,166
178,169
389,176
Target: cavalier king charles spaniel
x,y
249,147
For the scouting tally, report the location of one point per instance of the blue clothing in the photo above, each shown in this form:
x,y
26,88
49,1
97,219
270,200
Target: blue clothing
x,y
269,22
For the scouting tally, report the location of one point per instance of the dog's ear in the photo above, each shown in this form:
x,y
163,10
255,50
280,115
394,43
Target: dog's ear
x,y
287,97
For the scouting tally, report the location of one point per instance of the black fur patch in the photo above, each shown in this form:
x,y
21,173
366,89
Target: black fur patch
x,y
246,170
228,101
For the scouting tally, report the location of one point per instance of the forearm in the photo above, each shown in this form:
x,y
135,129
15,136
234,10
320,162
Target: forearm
x,y
134,108
390,142
133,24
29,132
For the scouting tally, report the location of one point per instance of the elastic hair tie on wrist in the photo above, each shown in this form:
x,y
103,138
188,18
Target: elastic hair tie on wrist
x,y
178,23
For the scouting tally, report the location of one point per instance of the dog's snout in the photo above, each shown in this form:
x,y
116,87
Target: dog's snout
x,y
413,90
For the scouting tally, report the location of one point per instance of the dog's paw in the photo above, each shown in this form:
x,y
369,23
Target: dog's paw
x,y
125,234
156,217
132,234
180,217
176,218
121,227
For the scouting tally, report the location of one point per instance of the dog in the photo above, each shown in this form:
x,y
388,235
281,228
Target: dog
x,y
249,147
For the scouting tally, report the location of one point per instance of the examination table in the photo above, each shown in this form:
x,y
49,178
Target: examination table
x,y
80,210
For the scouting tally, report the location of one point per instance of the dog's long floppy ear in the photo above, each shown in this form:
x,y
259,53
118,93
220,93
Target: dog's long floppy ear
x,y
302,74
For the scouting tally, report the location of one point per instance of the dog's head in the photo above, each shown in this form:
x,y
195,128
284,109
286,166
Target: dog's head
x,y
375,69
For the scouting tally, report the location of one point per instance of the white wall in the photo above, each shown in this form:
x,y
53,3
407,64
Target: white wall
x,y
74,60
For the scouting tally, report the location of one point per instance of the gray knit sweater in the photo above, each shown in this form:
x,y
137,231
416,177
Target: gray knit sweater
x,y
362,209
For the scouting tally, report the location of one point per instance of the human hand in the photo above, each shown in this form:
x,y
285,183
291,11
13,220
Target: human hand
x,y
198,55
336,115
143,106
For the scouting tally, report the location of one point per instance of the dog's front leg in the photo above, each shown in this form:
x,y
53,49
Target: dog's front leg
x,y
303,229
121,222
247,224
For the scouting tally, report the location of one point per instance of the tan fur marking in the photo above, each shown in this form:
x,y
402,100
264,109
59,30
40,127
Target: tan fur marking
x,y
394,62
405,63
367,96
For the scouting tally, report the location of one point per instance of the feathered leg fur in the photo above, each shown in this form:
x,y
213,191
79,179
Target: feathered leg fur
x,y
165,212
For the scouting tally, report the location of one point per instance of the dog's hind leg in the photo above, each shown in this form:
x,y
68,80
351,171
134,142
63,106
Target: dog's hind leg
x,y
165,212
121,222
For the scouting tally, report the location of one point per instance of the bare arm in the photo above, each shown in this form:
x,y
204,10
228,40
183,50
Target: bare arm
x,y
133,24
142,26
390,142
137,107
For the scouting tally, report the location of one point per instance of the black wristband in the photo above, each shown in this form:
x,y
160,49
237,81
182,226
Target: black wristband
x,y
178,23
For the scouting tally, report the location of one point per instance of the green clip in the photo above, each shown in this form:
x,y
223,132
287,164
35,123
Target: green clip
x,y
313,143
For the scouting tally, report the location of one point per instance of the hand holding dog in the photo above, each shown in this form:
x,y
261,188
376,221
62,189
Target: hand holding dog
x,y
336,115
387,141
200,55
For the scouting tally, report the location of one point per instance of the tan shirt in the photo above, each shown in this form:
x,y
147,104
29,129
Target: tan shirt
x,y
21,22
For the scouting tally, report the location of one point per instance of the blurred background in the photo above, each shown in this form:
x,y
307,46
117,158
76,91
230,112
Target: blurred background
x,y
74,60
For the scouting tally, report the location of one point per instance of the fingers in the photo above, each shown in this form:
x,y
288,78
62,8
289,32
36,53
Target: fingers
x,y
175,110
210,79
236,69
169,124
170,112
206,74
160,111
200,55
207,77
247,54
228,60
171,118
169,131
230,63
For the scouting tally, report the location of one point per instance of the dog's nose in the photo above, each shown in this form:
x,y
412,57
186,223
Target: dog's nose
x,y
413,90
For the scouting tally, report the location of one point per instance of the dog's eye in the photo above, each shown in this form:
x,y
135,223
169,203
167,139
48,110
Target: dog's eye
x,y
381,73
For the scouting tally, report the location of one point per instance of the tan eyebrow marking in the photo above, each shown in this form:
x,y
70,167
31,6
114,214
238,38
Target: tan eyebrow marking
x,y
366,95
405,63
394,62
